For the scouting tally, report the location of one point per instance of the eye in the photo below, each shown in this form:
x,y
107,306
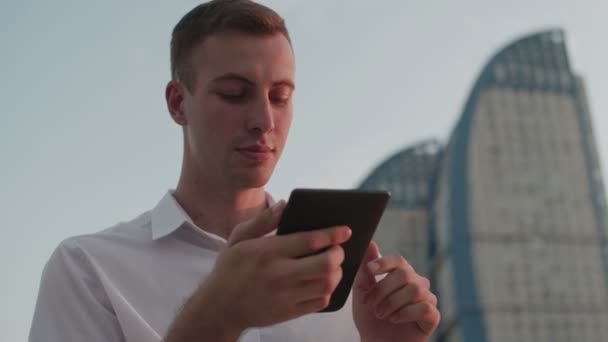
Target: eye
x,y
280,96
233,97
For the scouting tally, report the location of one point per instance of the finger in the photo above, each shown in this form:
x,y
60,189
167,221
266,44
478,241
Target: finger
x,y
389,263
396,279
318,288
316,266
313,305
305,243
259,226
410,294
424,314
365,280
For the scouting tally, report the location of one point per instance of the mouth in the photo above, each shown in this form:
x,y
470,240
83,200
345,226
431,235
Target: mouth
x,y
256,153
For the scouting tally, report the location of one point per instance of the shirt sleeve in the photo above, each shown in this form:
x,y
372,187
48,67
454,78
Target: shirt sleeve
x,y
72,304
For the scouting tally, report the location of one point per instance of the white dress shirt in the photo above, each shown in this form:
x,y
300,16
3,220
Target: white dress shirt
x,y
128,282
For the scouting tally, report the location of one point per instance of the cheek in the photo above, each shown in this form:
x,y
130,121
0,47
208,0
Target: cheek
x,y
283,124
204,131
215,120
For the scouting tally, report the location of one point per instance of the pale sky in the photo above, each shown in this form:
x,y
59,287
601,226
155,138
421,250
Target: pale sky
x,y
86,140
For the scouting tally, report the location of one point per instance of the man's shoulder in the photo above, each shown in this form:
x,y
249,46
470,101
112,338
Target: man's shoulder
x,y
122,234
138,227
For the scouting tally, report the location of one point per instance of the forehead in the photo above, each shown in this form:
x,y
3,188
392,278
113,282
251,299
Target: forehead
x,y
260,58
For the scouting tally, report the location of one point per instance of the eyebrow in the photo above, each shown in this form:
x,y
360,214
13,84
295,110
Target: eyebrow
x,y
241,78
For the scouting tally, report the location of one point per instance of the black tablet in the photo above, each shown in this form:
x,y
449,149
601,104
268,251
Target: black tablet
x,y
361,210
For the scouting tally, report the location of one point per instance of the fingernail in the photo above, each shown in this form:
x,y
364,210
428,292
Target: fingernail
x,y
373,266
394,319
349,232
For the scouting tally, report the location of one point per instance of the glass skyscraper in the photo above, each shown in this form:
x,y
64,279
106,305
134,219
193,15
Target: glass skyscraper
x,y
404,226
516,222
520,207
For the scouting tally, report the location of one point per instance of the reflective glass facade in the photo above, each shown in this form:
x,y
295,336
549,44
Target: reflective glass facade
x,y
519,213
404,225
508,220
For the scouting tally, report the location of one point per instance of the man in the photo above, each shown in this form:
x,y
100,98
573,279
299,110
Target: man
x,y
203,265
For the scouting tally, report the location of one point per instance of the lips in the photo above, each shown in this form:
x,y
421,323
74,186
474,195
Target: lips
x,y
256,148
256,153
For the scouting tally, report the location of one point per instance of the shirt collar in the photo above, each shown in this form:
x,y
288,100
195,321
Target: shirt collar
x,y
168,215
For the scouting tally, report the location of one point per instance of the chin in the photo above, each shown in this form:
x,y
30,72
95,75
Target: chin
x,y
254,180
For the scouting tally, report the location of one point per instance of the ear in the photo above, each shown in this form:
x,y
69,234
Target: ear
x,y
174,95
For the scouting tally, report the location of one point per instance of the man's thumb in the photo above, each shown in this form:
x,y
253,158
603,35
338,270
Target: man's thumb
x,y
258,226
365,279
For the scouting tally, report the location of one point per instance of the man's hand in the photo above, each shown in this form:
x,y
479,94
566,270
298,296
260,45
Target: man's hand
x,y
399,307
262,280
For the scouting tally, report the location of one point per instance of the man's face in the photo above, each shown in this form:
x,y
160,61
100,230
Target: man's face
x,y
240,109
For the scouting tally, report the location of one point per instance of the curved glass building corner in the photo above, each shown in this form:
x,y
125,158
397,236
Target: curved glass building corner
x,y
519,213
404,225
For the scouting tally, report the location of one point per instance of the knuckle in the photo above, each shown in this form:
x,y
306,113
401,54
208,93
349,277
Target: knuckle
x,y
403,263
403,275
327,286
331,262
330,283
327,264
337,277
409,267
325,301
340,255
426,283
398,260
315,242
417,291
336,257
426,309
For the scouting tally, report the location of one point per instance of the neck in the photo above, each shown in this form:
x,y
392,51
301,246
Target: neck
x,y
215,207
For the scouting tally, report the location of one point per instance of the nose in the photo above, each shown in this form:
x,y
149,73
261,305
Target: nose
x,y
261,118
